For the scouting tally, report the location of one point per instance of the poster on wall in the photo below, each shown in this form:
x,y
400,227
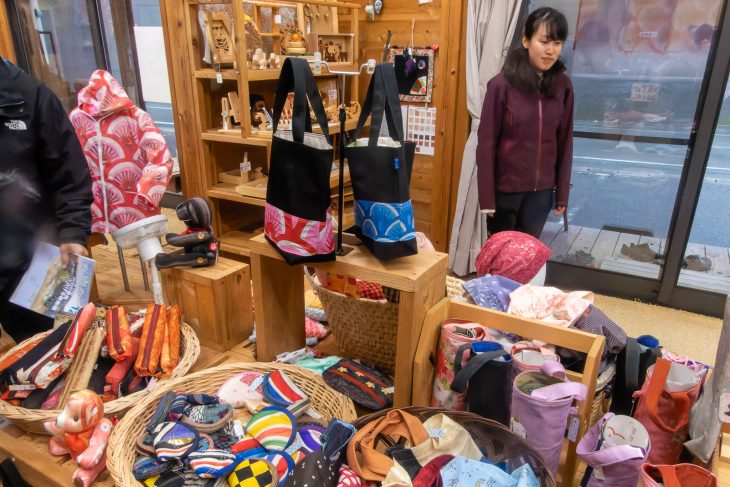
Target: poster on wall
x,y
420,125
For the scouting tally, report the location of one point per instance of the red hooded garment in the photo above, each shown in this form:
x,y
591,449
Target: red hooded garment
x,y
128,158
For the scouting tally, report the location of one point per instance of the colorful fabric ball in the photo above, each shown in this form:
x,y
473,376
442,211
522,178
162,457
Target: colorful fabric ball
x,y
280,390
311,436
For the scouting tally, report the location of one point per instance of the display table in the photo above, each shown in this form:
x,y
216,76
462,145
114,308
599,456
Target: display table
x,y
278,290
36,465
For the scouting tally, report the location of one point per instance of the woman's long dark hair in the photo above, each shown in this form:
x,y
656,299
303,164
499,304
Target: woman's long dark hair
x,y
517,68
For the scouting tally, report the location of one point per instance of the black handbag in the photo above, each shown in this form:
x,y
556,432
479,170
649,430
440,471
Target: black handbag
x,y
486,380
631,366
297,219
380,170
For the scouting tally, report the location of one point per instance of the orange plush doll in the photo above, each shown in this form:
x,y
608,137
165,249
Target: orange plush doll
x,y
81,431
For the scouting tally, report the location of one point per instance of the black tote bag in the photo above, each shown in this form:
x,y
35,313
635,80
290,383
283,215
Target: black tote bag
x,y
297,219
380,169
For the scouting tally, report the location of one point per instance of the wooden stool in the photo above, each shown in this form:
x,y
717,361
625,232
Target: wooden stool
x,y
215,301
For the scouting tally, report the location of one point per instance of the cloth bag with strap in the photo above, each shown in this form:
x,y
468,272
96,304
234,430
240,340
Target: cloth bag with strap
x,y
682,475
380,168
665,415
610,466
541,404
486,378
631,366
362,454
454,334
297,220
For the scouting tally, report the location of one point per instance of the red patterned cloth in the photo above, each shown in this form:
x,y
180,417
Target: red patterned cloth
x,y
515,255
370,290
349,478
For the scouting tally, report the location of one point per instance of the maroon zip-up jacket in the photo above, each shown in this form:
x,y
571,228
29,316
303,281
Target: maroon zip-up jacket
x,y
525,141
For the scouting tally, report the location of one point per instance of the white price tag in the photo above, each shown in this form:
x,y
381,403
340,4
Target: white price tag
x,y
256,383
245,166
332,95
238,428
573,428
218,78
311,412
436,433
389,390
598,473
22,387
152,384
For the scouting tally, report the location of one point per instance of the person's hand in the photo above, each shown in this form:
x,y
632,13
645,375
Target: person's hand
x,y
559,210
72,248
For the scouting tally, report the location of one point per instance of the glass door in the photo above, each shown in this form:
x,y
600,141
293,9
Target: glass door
x,y
706,263
637,69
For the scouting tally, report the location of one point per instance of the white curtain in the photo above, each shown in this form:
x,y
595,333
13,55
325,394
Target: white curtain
x,y
704,424
489,31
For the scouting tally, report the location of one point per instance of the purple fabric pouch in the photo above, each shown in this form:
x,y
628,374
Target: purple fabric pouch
x,y
541,404
611,466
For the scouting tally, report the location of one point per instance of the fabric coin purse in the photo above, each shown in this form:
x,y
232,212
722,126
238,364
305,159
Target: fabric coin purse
x,y
241,388
212,464
253,472
146,467
273,427
283,463
174,441
363,385
280,390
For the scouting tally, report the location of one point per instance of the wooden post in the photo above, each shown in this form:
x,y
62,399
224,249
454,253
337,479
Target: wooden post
x,y
7,48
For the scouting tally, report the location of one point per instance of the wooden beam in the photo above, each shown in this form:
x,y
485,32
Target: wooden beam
x,y
7,48
173,13
450,73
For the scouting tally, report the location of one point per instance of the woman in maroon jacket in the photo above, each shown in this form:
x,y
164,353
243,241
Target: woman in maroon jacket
x,y
525,146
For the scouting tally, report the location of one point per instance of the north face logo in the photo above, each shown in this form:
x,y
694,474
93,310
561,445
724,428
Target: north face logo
x,y
16,125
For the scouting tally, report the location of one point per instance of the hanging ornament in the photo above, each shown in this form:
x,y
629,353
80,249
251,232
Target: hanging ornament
x,y
370,11
378,6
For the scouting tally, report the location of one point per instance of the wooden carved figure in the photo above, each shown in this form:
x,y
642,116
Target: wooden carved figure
x,y
220,41
82,431
234,112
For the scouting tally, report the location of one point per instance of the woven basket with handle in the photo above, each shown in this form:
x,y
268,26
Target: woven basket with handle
x,y
32,420
497,442
364,329
121,450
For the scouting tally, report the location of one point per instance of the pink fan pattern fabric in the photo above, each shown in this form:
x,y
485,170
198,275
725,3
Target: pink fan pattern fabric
x,y
515,255
128,158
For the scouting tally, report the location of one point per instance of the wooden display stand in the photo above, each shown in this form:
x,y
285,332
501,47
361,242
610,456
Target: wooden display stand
x,y
215,301
592,345
279,300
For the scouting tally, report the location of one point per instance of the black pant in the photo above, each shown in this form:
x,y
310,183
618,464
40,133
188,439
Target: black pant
x,y
524,212
18,322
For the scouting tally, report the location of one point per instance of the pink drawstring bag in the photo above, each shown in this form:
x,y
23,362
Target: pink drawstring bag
x,y
541,404
454,333
682,475
665,415
613,466
528,357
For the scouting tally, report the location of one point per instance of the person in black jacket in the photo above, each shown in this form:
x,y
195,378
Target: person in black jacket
x,y
45,188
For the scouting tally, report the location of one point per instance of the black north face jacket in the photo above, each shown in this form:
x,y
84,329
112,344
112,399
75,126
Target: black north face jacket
x,y
44,179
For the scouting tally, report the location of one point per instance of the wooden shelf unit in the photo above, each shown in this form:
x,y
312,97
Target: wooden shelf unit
x,y
237,217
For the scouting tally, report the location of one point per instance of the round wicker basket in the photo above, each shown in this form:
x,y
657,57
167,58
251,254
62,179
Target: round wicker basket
x,y
32,420
121,452
496,441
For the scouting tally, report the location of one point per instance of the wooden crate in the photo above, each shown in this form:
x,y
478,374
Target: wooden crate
x,y
592,345
215,301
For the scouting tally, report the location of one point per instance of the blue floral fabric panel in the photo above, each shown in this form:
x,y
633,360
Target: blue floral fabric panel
x,y
385,222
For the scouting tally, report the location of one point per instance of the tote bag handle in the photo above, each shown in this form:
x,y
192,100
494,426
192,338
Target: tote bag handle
x,y
297,75
475,363
382,99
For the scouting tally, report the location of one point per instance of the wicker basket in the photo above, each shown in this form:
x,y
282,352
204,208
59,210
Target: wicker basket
x,y
121,450
32,420
496,441
363,328
602,399
454,287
